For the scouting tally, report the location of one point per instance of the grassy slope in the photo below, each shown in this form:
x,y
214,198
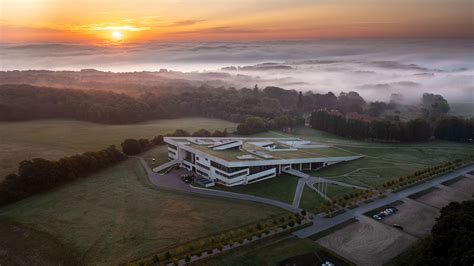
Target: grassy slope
x,y
274,251
311,201
280,188
52,139
382,162
116,215
265,253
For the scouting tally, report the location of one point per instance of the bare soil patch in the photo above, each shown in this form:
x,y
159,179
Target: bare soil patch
x,y
442,197
416,218
367,242
465,185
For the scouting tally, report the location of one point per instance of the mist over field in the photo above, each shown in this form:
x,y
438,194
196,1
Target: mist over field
x,y
375,68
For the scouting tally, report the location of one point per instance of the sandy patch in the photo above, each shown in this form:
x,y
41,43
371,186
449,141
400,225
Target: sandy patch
x,y
367,242
465,185
416,218
442,197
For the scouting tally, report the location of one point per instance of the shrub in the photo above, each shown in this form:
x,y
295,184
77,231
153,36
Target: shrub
x,y
187,258
291,223
155,259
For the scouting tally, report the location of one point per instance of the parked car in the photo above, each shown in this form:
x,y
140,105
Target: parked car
x,y
187,178
376,217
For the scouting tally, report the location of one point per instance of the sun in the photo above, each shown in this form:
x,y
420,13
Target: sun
x,y
116,35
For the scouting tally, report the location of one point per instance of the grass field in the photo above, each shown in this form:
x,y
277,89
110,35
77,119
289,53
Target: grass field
x,y
271,252
116,215
53,139
281,188
382,162
311,201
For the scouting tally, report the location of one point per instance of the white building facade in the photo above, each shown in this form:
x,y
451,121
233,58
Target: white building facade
x,y
252,166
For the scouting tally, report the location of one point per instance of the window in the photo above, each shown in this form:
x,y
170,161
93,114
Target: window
x,y
258,169
226,169
172,146
202,165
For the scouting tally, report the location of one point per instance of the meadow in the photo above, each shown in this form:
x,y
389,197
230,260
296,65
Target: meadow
x,y
53,139
114,216
381,162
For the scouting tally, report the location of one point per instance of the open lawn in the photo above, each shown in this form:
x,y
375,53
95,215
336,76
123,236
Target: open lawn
x,y
335,191
53,139
312,201
159,153
114,216
382,162
270,252
281,187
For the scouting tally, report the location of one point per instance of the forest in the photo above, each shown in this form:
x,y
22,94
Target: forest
x,y
257,110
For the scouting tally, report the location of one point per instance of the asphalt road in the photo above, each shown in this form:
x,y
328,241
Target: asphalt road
x,y
321,224
172,181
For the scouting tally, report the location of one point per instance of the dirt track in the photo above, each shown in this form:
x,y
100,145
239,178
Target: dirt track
x,y
367,242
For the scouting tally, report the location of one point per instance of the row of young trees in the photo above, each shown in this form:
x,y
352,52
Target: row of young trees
x,y
208,244
38,174
381,130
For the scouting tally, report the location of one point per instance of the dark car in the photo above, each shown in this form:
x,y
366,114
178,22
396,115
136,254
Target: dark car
x,y
397,226
187,178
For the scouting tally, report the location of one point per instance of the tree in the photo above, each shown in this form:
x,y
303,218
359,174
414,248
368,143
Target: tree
x,y
451,241
434,106
158,140
131,147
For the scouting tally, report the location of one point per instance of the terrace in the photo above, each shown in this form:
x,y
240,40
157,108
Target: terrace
x,y
264,149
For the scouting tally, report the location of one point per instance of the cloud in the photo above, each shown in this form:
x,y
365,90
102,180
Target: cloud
x,y
376,68
187,22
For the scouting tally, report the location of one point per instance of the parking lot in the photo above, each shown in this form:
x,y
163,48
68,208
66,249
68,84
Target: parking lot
x,y
415,218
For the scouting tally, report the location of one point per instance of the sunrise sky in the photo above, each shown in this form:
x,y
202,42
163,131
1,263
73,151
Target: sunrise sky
x,y
92,21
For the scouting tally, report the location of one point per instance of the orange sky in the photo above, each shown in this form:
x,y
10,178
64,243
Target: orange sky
x,y
95,21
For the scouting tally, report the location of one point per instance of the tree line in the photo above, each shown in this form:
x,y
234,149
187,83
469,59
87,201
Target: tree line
x,y
38,175
26,102
136,146
375,129
448,128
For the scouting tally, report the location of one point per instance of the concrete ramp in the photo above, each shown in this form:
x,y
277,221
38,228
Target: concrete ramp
x,y
295,173
164,166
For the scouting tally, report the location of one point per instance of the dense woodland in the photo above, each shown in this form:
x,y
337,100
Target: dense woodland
x,y
451,241
257,110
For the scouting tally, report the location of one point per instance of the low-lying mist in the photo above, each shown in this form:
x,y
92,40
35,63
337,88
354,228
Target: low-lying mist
x,y
375,68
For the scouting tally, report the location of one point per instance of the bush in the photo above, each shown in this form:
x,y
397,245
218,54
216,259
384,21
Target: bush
x,y
291,224
156,259
187,258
